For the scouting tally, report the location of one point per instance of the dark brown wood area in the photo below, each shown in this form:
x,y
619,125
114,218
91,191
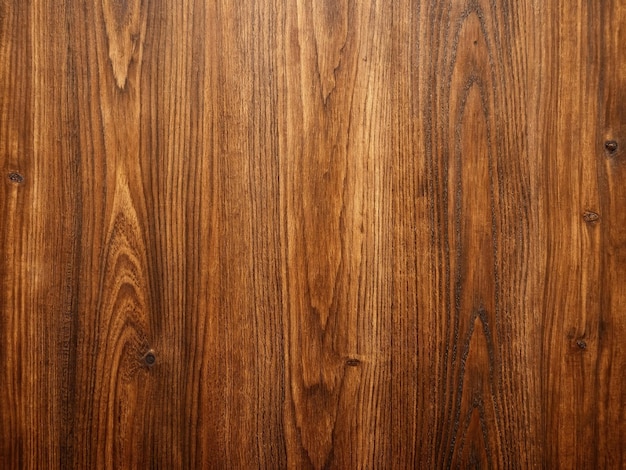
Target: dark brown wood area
x,y
312,234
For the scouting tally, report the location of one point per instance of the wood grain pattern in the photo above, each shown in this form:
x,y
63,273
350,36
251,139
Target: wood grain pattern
x,y
312,234
583,362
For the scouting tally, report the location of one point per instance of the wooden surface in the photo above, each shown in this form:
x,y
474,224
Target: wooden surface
x,y
312,234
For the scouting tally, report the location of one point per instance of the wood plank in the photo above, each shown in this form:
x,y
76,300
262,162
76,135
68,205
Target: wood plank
x,y
584,233
332,143
312,234
475,273
41,194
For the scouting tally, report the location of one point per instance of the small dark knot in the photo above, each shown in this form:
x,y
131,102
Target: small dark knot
x,y
16,178
149,358
353,362
589,216
581,344
611,146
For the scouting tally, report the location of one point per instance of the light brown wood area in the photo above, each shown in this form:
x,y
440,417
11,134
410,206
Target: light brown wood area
x,y
312,234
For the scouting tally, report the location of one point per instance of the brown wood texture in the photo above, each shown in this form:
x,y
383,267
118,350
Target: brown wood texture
x,y
312,234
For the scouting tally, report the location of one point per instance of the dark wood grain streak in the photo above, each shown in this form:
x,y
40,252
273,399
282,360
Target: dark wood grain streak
x,y
312,234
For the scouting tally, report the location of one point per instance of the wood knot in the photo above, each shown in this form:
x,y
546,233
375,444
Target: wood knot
x,y
16,178
353,362
611,146
149,358
590,217
581,343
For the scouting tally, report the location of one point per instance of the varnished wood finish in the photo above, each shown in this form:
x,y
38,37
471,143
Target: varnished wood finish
x,y
312,234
